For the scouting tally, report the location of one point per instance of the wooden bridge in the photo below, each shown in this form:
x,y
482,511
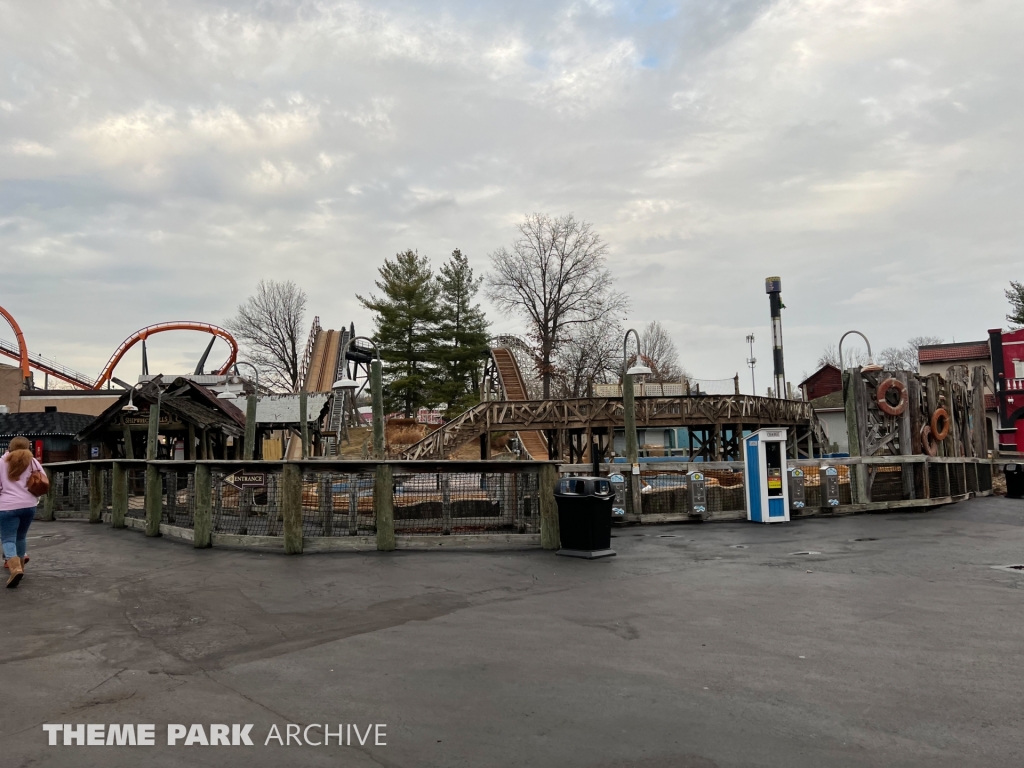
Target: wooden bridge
x,y
580,429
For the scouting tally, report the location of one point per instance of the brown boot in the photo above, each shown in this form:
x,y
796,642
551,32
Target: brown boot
x,y
17,572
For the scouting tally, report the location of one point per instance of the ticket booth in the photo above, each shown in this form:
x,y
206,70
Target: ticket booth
x,y
765,476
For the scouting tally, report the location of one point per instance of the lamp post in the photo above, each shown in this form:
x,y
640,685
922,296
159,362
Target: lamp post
x,y
128,408
376,395
250,413
871,366
249,442
629,413
852,393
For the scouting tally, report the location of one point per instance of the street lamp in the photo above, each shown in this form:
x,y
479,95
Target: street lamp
x,y
871,366
376,394
129,407
629,413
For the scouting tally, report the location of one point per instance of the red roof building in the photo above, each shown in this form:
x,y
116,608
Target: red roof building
x,y
936,358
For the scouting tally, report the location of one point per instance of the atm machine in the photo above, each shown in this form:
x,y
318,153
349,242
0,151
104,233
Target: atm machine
x,y
766,483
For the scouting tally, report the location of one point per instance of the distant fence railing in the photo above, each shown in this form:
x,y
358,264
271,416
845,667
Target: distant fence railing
x,y
313,505
865,484
322,505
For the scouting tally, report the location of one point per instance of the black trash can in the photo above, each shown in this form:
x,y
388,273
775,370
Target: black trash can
x,y
1014,481
585,516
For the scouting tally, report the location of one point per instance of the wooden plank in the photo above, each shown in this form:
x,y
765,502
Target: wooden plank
x,y
549,535
118,494
154,500
291,508
384,507
203,521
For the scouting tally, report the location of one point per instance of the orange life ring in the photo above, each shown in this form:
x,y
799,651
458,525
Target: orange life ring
x,y
940,416
926,441
884,404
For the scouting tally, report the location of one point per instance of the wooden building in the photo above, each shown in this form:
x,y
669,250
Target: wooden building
x,y
193,423
52,434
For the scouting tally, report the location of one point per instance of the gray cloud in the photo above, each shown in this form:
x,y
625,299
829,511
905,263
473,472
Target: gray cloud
x,y
156,160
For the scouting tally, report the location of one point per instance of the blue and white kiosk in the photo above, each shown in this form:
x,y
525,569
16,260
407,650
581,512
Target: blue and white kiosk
x,y
764,474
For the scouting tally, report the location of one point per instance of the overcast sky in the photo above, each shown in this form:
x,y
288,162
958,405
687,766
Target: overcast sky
x,y
158,159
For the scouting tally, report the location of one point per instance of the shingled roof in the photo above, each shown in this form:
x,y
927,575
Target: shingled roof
x,y
948,353
33,424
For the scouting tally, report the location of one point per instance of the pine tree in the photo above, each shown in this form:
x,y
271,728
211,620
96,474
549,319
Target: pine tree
x,y
407,331
1015,295
463,334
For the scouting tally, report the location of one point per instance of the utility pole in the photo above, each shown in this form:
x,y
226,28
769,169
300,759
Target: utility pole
x,y
773,287
752,361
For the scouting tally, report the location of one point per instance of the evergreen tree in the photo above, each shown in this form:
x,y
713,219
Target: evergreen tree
x,y
1015,295
463,334
407,331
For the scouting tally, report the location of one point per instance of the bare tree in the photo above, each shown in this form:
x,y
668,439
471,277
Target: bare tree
x,y
555,276
269,326
905,358
829,356
591,355
659,352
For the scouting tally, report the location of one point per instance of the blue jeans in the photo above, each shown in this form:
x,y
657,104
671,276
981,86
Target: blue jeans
x,y
14,525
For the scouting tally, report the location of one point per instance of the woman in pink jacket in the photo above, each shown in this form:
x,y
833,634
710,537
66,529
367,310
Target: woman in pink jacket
x,y
17,506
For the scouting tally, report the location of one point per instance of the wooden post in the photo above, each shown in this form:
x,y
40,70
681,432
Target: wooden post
x,y
154,430
445,481
51,496
384,507
980,436
95,493
326,494
154,500
250,428
129,447
856,420
548,481
906,443
190,453
377,401
291,508
952,440
202,527
205,452
304,423
118,495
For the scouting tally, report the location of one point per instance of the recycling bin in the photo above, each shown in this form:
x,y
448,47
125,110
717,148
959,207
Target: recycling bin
x,y
1014,481
585,517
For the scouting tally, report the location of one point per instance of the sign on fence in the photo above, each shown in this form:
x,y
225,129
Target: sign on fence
x,y
245,479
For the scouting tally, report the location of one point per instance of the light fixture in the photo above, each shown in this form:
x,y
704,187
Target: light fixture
x,y
227,396
871,367
344,383
130,407
639,370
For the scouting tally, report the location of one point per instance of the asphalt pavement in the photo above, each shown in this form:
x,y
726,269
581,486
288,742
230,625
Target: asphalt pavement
x,y
872,640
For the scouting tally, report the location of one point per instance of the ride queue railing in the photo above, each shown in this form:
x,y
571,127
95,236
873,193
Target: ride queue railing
x,y
313,505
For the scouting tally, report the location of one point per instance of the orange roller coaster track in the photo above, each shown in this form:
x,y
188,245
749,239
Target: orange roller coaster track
x,y
149,330
20,352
